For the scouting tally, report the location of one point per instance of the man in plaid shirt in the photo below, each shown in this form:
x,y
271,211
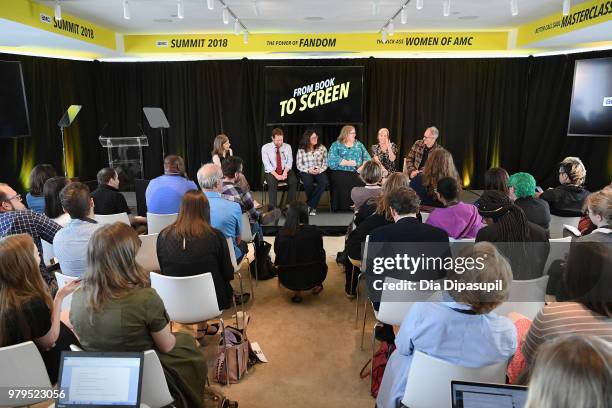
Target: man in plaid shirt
x,y
231,167
420,151
15,218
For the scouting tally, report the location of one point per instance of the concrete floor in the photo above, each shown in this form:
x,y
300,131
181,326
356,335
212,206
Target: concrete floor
x,y
312,347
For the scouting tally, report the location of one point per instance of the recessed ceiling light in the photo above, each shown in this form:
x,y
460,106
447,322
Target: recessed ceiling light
x,y
468,17
314,18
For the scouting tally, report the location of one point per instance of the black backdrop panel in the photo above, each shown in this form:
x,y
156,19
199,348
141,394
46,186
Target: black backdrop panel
x,y
315,94
507,111
13,108
591,108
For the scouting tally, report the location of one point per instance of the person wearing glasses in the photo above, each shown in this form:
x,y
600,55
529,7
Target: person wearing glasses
x,y
419,152
346,158
567,199
277,159
15,218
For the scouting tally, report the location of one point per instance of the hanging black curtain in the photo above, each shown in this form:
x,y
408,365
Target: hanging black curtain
x,y
510,112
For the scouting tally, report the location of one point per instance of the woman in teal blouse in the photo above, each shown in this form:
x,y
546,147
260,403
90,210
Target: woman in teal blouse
x,y
345,160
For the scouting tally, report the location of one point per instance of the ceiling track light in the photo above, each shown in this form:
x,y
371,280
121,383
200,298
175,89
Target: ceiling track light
x,y
419,5
383,35
126,10
404,15
210,4
225,15
58,10
236,27
180,12
514,7
566,7
246,37
375,8
391,28
446,8
255,8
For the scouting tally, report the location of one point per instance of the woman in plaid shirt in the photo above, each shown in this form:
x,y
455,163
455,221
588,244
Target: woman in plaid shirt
x,y
312,162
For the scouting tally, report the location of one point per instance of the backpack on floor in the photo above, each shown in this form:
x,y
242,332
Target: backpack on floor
x,y
379,362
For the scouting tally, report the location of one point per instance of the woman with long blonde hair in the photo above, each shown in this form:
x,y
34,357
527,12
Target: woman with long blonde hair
x,y
116,310
346,158
439,164
27,311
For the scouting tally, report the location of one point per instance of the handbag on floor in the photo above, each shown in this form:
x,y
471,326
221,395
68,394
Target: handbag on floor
x,y
265,267
237,354
379,362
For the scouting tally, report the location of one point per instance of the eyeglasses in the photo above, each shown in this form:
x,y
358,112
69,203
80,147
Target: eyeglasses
x,y
16,196
428,137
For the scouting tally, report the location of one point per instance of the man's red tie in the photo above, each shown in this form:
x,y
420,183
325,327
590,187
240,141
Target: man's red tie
x,y
279,164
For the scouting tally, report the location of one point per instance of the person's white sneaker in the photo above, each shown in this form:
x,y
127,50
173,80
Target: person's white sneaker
x,y
313,211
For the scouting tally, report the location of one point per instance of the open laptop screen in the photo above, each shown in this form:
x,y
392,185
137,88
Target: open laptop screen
x,y
483,395
99,379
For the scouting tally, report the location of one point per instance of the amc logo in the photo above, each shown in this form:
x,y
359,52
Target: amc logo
x,y
45,18
607,101
161,43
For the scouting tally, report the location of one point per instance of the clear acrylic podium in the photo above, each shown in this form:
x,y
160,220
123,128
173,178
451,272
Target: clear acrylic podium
x,y
125,156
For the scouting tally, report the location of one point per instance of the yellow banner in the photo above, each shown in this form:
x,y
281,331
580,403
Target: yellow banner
x,y
580,16
42,17
297,43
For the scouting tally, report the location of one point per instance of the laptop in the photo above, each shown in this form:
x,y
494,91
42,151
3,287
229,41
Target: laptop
x,y
99,379
483,395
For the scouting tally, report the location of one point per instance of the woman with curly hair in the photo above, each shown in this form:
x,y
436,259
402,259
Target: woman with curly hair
x,y
439,164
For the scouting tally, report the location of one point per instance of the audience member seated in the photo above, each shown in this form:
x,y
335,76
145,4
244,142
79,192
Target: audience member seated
x,y
38,176
27,311
572,372
300,255
496,178
385,152
164,193
277,159
108,200
599,211
407,229
346,159
566,200
508,227
587,305
232,169
420,150
225,215
70,243
221,151
311,162
439,164
462,330
53,206
458,219
371,176
585,225
190,246
381,216
15,218
522,189
116,310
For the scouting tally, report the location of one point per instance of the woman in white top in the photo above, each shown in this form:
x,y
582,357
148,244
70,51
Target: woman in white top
x,y
221,150
311,162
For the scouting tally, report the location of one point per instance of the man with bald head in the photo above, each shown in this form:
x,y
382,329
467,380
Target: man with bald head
x,y
225,215
164,193
420,151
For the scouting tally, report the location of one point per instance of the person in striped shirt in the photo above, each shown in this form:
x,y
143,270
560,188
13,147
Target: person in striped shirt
x,y
588,277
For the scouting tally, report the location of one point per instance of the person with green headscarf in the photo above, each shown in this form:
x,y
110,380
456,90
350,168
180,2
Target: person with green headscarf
x,y
522,189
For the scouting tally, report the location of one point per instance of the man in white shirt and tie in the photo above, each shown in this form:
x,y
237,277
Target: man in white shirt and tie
x,y
277,159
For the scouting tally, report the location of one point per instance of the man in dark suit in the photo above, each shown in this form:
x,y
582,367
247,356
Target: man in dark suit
x,y
406,237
